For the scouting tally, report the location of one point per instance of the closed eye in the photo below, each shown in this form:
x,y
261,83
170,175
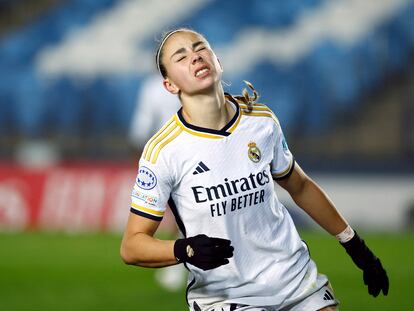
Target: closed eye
x,y
180,59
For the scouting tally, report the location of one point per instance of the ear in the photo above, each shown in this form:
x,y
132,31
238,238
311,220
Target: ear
x,y
170,87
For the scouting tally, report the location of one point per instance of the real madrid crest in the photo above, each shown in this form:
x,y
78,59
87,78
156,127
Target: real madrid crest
x,y
254,152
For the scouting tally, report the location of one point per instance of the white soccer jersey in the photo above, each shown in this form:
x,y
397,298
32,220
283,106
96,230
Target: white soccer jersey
x,y
219,183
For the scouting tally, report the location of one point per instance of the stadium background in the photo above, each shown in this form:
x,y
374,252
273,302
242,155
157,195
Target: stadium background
x,y
339,75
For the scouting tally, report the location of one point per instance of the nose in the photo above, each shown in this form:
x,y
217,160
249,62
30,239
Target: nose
x,y
196,58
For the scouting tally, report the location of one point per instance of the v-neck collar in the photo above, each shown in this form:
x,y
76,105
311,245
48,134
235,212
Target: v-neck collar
x,y
211,133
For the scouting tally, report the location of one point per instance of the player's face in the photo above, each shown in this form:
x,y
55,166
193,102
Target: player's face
x,y
191,64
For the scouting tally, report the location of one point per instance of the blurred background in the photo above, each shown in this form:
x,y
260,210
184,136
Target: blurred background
x,y
76,78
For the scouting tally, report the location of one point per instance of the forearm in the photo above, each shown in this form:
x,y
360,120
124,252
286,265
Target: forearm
x,y
143,250
316,203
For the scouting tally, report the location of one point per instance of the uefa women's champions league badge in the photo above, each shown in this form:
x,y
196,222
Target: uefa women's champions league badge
x,y
146,178
284,143
254,152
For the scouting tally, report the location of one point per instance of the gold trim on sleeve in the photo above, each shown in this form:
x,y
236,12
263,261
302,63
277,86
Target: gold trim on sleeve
x,y
147,210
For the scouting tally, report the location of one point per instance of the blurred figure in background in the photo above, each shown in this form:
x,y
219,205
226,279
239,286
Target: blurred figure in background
x,y
154,106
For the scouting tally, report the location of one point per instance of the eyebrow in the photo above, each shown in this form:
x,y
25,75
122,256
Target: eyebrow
x,y
182,50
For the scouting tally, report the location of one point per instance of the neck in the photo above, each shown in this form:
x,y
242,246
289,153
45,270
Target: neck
x,y
207,110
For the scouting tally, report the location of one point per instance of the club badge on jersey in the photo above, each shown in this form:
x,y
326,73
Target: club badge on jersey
x,y
254,152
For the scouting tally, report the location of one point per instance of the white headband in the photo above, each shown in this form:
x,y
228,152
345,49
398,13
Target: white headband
x,y
160,47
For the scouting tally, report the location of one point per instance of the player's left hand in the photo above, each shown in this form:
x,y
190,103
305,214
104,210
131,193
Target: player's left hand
x,y
374,274
375,277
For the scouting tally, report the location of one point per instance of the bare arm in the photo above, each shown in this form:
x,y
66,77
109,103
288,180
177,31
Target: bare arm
x,y
313,200
140,248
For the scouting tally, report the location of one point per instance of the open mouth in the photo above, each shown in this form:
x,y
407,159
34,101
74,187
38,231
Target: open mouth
x,y
202,72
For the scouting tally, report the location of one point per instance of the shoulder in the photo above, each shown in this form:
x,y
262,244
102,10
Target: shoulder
x,y
257,110
165,136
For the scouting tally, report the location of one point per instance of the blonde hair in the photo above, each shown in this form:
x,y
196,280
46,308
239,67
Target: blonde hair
x,y
245,98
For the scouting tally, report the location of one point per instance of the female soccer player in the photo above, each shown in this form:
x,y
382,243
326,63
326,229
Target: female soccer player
x,y
214,162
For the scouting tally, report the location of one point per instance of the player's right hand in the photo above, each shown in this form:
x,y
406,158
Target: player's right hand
x,y
203,252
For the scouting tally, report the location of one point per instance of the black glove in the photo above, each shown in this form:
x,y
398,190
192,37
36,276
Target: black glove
x,y
203,252
375,276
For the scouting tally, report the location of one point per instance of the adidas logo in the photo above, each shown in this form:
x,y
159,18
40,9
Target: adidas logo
x,y
196,307
201,168
328,296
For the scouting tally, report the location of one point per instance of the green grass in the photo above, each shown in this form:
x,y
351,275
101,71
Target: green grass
x,y
41,271
396,253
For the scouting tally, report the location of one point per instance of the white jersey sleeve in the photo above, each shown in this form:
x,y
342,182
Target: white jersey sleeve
x,y
283,161
151,190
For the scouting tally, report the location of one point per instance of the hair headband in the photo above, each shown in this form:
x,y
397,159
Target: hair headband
x,y
157,58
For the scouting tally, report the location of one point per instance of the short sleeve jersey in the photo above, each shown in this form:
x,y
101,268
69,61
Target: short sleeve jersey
x,y
220,183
